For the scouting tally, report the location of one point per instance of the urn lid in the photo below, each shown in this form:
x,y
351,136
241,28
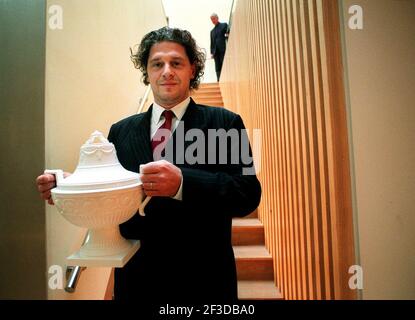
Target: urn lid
x,y
98,169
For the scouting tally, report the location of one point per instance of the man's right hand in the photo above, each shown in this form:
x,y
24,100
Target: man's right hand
x,y
45,183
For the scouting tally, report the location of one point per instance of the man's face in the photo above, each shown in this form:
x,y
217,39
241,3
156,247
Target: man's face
x,y
169,72
214,20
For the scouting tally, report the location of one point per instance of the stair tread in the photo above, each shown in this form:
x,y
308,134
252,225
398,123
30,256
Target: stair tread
x,y
260,290
246,222
208,94
211,104
209,84
251,252
204,94
207,99
207,91
208,103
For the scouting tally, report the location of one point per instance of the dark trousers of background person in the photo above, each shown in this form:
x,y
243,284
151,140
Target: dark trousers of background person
x,y
219,56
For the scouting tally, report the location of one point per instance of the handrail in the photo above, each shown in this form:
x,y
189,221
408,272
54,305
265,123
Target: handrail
x,y
143,100
72,276
231,14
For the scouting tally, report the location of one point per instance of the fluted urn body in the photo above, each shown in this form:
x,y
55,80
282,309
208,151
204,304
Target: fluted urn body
x,y
99,196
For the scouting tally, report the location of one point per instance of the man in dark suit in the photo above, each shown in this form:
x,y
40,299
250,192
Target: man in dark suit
x,y
218,37
186,252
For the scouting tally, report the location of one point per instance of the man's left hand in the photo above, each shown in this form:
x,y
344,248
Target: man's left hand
x,y
160,178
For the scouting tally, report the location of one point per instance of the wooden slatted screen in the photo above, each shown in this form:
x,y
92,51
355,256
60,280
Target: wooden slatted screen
x,y
283,73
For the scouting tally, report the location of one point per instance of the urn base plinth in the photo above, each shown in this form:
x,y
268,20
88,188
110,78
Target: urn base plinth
x,y
118,260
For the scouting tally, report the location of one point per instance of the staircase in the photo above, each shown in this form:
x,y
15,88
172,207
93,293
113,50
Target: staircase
x,y
253,262
208,94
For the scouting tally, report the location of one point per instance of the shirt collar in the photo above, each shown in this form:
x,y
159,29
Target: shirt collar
x,y
178,110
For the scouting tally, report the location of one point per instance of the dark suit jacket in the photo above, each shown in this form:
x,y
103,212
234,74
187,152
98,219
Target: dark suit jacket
x,y
186,252
218,39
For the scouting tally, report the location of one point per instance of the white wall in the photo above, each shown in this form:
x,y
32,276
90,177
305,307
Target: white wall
x,y
90,84
381,72
194,16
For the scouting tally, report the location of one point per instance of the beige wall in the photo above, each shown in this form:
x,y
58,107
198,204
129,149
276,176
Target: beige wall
x,y
90,84
381,70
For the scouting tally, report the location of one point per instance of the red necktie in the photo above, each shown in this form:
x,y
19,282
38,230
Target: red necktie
x,y
162,135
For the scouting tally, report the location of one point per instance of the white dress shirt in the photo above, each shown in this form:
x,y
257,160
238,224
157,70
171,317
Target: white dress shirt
x,y
157,120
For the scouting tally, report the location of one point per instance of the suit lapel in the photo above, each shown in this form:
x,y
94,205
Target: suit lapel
x,y
140,139
193,117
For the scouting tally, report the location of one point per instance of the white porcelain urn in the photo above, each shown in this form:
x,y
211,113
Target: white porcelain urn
x,y
99,196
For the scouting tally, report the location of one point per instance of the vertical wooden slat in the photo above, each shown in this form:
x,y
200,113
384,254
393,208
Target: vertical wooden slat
x,y
272,124
264,86
315,187
288,146
340,199
302,195
265,93
314,117
293,156
295,147
279,186
307,142
327,235
285,289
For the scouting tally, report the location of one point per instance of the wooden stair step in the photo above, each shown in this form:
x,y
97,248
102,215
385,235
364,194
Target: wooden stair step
x,y
207,92
247,222
253,263
210,103
253,214
207,95
207,99
206,89
247,232
258,290
251,252
209,85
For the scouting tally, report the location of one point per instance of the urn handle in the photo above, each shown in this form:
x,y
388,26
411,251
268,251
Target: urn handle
x,y
58,173
142,206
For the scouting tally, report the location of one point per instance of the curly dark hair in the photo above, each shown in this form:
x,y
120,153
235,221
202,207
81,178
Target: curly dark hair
x,y
194,53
